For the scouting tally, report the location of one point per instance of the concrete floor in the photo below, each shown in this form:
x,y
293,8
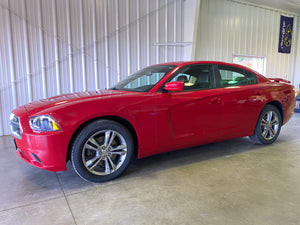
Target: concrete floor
x,y
230,182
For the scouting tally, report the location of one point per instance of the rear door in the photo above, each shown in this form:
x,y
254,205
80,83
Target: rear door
x,y
242,100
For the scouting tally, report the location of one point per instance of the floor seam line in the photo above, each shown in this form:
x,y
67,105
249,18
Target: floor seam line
x,y
34,203
66,199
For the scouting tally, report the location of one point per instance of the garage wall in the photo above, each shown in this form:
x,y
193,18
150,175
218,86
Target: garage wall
x,y
228,27
58,46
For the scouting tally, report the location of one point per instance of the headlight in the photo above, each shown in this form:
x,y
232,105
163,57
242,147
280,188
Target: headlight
x,y
15,126
43,123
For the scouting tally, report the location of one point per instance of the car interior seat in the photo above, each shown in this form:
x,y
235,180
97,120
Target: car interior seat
x,y
241,80
203,80
182,78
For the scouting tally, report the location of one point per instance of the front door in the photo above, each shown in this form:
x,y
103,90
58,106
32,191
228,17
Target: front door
x,y
192,116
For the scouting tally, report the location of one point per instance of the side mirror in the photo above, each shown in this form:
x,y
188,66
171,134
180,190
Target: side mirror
x,y
174,86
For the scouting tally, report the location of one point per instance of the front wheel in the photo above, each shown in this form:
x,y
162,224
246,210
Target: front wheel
x,y
102,151
268,126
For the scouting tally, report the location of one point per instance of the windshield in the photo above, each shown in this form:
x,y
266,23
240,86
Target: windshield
x,y
144,80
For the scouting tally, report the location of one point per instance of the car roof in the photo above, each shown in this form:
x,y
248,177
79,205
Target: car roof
x,y
260,77
185,63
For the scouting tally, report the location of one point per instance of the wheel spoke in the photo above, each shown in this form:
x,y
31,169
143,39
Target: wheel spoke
x,y
111,164
269,116
268,133
121,152
265,133
107,167
113,135
94,142
109,137
274,122
106,140
88,146
92,163
120,147
272,132
264,122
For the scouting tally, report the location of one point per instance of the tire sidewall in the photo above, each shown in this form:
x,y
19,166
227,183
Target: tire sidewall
x,y
84,135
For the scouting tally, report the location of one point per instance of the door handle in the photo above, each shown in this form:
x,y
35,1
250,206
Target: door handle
x,y
216,100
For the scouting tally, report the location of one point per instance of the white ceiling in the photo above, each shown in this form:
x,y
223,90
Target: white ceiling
x,y
286,5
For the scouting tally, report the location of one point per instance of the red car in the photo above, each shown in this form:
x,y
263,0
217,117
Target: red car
x,y
158,109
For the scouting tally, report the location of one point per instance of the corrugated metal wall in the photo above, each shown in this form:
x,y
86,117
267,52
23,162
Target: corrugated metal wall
x,y
51,47
228,28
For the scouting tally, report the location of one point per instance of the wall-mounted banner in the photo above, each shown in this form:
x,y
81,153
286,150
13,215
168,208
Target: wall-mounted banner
x,y
285,34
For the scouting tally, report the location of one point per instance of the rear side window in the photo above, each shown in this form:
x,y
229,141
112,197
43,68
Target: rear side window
x,y
230,76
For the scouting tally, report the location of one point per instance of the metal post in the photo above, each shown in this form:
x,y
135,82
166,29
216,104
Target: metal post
x,y
11,59
106,43
42,51
84,87
138,34
157,31
56,55
128,39
70,52
27,55
118,41
95,46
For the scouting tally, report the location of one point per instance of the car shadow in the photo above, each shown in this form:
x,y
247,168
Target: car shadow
x,y
182,157
71,183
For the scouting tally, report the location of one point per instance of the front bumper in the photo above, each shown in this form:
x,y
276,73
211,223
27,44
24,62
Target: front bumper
x,y
45,151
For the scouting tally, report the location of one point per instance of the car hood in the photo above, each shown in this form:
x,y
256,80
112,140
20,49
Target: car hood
x,y
72,98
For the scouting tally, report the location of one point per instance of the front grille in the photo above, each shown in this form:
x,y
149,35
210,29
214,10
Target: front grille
x,y
15,126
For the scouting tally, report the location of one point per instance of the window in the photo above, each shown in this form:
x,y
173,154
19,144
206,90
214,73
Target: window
x,y
195,77
235,77
145,79
254,62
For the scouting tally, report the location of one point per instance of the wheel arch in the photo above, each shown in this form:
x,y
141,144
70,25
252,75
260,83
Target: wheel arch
x,y
117,119
279,106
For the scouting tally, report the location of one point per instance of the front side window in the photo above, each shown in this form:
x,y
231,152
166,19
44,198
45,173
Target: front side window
x,y
230,76
145,79
195,77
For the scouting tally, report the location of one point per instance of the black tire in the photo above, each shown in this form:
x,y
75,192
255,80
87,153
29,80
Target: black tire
x,y
268,126
102,151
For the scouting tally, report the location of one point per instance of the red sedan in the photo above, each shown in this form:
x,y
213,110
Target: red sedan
x,y
158,109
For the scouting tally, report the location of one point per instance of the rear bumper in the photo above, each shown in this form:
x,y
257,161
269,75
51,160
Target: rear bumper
x,y
289,110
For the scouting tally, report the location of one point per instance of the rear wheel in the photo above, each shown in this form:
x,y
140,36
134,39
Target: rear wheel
x,y
268,126
102,151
